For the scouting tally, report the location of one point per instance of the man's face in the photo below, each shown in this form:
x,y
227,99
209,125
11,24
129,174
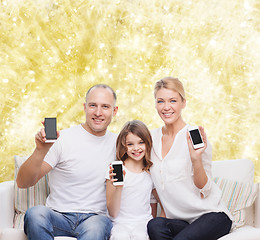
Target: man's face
x,y
100,109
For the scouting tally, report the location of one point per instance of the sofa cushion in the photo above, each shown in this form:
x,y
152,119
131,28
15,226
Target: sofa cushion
x,y
244,233
19,220
28,197
12,233
18,234
237,196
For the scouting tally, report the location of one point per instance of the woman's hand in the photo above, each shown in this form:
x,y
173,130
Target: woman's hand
x,y
195,154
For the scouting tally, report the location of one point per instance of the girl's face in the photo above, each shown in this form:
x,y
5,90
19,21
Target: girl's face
x,y
169,105
135,147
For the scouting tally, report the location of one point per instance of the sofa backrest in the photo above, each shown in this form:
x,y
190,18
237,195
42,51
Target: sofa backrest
x,y
239,170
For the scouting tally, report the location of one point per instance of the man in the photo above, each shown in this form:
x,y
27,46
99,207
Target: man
x,y
77,163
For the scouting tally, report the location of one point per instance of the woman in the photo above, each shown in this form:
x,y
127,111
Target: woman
x,y
182,176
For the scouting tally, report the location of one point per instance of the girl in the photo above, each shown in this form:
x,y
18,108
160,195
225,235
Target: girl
x,y
129,205
182,175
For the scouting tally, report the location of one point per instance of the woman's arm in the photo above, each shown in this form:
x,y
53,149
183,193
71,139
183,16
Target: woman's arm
x,y
113,195
200,177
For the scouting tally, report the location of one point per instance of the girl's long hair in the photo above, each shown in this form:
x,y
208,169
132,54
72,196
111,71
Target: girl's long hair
x,y
139,129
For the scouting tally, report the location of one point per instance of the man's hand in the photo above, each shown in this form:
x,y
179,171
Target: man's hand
x,y
40,138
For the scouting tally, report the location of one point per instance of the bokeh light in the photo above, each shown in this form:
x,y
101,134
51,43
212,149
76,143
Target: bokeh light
x,y
51,52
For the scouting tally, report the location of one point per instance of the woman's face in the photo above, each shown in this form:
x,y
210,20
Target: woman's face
x,y
169,105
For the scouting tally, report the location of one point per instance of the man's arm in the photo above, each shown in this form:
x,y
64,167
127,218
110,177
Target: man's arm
x,y
34,168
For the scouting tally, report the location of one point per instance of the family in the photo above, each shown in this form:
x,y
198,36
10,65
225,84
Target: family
x,y
159,166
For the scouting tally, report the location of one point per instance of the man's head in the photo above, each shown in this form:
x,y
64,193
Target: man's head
x,y
100,108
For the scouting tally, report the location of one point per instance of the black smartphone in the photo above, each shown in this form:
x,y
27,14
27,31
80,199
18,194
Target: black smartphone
x,y
50,129
118,170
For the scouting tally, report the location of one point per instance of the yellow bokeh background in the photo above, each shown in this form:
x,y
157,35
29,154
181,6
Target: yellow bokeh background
x,y
51,52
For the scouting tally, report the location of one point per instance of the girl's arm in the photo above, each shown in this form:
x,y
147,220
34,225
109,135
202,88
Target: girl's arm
x,y
154,192
113,195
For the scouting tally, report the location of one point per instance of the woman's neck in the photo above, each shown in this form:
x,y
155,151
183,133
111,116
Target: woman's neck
x,y
134,166
173,129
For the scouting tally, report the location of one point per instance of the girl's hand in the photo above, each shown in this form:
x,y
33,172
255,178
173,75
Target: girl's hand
x,y
111,176
195,154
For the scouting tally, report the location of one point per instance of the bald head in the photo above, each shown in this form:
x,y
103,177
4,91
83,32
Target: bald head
x,y
104,86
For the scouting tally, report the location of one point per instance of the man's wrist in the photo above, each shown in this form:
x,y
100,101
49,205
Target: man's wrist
x,y
40,152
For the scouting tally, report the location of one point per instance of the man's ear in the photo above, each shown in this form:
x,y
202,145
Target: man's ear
x,y
84,104
115,111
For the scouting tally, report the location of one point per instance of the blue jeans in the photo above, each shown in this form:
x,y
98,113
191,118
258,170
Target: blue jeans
x,y
209,226
42,223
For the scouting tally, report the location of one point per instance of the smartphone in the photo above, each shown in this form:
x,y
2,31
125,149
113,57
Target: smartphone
x,y
50,130
118,170
196,138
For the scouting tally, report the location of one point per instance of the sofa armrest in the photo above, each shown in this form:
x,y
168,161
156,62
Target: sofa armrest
x,y
257,207
7,204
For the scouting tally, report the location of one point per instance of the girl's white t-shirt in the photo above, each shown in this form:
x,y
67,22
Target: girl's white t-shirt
x,y
135,198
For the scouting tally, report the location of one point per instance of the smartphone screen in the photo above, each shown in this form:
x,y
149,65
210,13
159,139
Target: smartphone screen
x,y
118,170
50,128
195,135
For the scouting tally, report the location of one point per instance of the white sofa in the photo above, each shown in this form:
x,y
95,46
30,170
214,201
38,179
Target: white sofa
x,y
238,171
241,170
7,215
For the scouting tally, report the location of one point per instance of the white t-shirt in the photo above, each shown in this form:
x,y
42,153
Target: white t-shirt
x,y
79,161
135,198
173,180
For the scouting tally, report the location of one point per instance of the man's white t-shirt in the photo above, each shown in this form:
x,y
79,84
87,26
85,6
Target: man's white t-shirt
x,y
79,161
